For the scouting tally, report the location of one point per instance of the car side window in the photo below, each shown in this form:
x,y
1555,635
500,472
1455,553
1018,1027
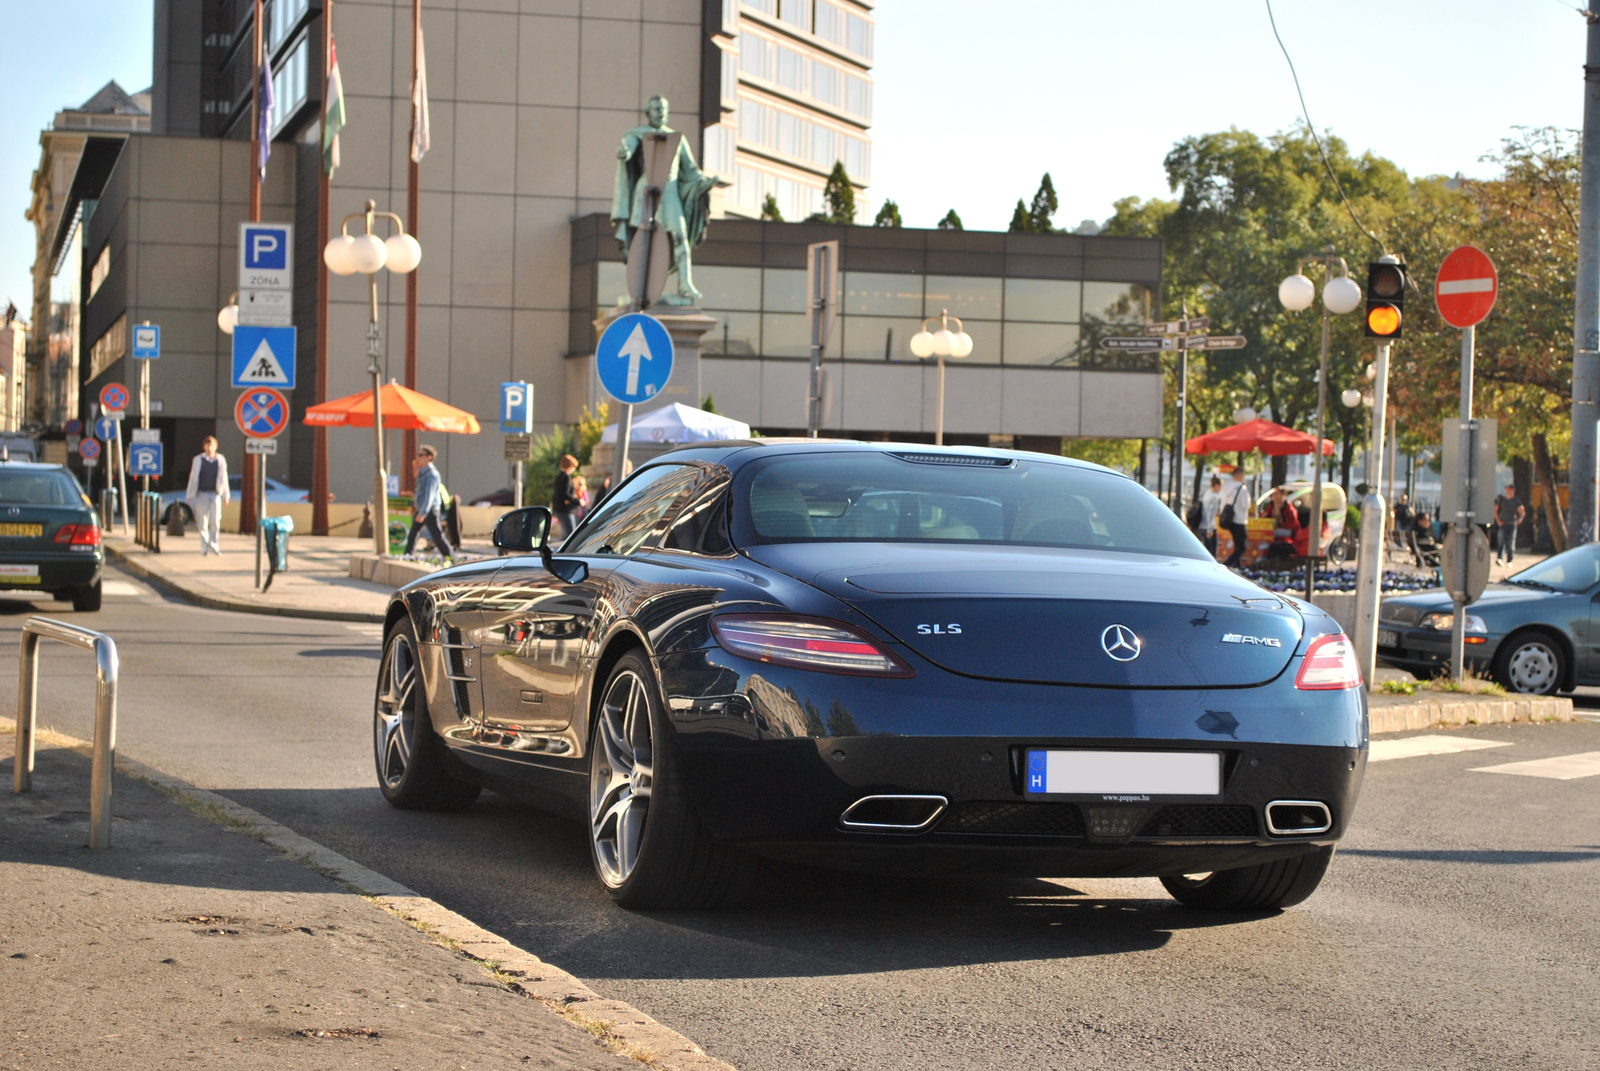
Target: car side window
x,y
701,527
630,514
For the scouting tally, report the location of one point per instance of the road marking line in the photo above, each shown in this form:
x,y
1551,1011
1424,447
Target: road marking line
x,y
1560,768
118,587
1466,286
1413,747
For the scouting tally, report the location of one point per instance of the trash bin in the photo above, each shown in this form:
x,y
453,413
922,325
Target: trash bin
x,y
275,532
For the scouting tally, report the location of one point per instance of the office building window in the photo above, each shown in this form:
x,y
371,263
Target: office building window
x,y
966,296
1116,303
791,70
857,35
728,92
1043,300
1047,345
283,18
718,156
881,294
796,13
766,7
289,84
109,348
857,96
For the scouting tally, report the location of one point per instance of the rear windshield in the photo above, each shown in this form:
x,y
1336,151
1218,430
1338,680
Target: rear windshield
x,y
37,487
887,498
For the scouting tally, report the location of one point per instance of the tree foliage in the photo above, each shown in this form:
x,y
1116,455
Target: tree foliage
x,y
888,215
951,222
839,195
1044,206
769,209
1019,219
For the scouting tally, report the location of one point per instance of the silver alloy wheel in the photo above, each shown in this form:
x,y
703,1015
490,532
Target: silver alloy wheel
x,y
1533,667
621,775
394,726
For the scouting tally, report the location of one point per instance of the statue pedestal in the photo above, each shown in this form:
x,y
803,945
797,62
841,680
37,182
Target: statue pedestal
x,y
686,325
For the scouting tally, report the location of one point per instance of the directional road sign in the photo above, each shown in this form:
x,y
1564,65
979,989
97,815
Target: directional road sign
x,y
114,396
88,449
263,357
516,408
634,358
73,427
145,459
105,429
264,260
261,413
146,342
1467,286
1136,344
1217,342
1179,327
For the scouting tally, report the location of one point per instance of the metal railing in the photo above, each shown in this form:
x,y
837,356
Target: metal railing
x,y
105,714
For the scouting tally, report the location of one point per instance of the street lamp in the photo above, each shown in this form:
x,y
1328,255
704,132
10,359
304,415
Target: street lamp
x,y
943,343
1340,294
228,315
368,254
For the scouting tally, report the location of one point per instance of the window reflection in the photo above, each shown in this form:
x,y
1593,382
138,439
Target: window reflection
x,y
783,289
985,342
611,289
1116,303
729,288
1046,345
964,295
880,294
738,335
785,334
1043,300
878,338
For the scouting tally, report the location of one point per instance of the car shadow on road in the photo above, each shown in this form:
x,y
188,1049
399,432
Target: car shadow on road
x,y
1493,857
526,875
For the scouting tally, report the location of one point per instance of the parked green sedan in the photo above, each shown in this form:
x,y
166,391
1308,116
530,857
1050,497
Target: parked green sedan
x,y
1537,632
49,537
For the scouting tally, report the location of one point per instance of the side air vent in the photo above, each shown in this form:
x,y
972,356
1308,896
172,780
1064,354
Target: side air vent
x,y
958,459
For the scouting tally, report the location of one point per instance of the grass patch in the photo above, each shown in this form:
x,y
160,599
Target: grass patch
x,y
1398,687
1471,684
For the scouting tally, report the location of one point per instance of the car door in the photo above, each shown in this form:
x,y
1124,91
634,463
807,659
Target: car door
x,y
539,626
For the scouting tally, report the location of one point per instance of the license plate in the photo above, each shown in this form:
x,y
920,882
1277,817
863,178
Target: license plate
x,y
1123,775
12,572
1388,637
30,531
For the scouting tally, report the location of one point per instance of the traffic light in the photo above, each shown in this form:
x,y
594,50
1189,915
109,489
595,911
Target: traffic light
x,y
1386,298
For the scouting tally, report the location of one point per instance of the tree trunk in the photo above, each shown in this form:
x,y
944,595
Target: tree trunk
x,y
1522,480
1144,450
1347,451
1280,470
1547,482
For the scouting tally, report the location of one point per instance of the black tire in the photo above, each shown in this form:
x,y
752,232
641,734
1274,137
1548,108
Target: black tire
x,y
1531,663
86,600
415,771
672,862
1265,887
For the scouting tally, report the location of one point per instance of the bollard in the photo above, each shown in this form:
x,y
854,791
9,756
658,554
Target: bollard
x,y
175,519
108,508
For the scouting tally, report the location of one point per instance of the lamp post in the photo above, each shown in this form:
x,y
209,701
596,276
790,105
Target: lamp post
x,y
941,343
1340,294
368,254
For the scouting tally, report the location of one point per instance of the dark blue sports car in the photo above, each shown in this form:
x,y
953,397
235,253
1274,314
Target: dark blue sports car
x,y
885,657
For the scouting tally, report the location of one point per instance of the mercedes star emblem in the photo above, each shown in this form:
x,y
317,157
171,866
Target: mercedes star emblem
x,y
1120,643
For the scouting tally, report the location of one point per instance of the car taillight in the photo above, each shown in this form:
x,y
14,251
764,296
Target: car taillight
x,y
79,535
1329,664
806,643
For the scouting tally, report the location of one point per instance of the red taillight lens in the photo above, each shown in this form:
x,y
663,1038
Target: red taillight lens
x,y
1329,664
806,643
79,535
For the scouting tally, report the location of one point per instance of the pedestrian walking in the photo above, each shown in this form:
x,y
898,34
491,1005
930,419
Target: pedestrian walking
x,y
564,501
1508,513
1210,506
1235,516
425,503
207,493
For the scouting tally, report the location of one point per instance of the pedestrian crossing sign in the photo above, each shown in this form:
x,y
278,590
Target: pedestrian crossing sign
x,y
263,357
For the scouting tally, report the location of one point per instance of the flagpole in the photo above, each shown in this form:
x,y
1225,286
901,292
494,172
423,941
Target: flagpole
x,y
319,435
407,478
252,462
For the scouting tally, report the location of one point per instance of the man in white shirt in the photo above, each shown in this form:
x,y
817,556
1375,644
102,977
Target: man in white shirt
x,y
1237,495
1210,506
208,493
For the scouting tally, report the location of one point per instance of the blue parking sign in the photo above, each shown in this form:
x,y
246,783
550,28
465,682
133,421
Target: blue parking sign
x,y
516,408
145,459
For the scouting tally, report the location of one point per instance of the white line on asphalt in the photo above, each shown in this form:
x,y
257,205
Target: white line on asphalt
x,y
1413,747
1560,768
118,587
1466,286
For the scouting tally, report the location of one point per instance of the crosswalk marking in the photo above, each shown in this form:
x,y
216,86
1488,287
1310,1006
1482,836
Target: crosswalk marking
x,y
117,587
1413,747
1560,768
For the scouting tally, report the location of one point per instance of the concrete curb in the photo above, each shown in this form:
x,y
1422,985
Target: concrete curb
x,y
387,571
1402,713
620,1026
170,586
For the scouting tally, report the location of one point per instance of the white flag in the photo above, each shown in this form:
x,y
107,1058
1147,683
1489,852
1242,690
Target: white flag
x,y
419,104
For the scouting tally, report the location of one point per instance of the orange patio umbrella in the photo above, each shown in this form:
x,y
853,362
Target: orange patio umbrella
x,y
402,408
1272,439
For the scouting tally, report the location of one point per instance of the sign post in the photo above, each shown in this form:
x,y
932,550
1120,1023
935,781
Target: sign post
x,y
516,421
634,361
114,401
261,413
1465,292
822,303
146,348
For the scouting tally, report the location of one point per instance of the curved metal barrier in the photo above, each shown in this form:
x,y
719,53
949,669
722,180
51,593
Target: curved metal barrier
x,y
105,714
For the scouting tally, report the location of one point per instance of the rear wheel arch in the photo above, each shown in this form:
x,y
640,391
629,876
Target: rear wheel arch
x,y
1569,676
618,644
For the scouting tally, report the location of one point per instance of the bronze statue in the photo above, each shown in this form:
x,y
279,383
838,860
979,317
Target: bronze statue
x,y
685,197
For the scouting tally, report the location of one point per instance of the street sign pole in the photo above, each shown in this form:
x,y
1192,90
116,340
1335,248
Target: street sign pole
x,y
144,409
122,476
1462,523
823,279
1369,566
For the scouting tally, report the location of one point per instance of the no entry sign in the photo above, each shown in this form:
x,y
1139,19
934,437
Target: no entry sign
x,y
1467,286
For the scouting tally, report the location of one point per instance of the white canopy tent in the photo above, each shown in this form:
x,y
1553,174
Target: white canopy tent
x,y
679,423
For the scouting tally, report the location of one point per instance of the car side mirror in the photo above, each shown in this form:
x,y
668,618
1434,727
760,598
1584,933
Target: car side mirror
x,y
524,530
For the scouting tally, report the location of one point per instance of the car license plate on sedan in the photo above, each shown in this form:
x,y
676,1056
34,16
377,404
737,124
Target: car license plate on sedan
x,y
1388,637
1115,775
28,531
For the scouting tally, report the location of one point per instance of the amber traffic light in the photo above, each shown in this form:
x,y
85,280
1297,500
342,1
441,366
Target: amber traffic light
x,y
1386,299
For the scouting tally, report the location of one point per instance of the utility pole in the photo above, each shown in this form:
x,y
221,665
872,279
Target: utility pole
x,y
1581,510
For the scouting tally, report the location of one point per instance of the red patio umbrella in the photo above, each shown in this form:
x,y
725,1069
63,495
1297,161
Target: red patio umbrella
x,y
1271,439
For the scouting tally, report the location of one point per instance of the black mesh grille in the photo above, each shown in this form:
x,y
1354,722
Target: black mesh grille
x,y
1201,820
1005,818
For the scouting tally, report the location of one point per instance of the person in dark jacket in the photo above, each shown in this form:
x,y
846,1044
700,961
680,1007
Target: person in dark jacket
x,y
564,501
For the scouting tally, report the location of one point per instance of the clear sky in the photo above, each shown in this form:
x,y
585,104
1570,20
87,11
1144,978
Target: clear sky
x,y
975,100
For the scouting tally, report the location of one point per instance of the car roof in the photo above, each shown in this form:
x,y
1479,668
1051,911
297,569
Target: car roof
x,y
734,453
34,466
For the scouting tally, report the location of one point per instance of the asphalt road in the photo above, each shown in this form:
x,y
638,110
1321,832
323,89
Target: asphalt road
x,y
1457,929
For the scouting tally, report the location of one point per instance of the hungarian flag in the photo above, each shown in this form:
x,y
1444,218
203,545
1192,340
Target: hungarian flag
x,y
420,138
332,112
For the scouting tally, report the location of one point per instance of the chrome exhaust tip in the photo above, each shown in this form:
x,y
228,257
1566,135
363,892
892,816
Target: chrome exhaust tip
x,y
1298,818
893,814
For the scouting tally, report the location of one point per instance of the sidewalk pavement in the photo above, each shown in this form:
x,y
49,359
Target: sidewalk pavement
x,y
317,583
187,944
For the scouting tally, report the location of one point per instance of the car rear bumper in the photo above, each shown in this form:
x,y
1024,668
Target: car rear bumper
x,y
58,570
1426,652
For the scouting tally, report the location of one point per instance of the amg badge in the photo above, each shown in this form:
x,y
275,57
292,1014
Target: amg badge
x,y
1259,641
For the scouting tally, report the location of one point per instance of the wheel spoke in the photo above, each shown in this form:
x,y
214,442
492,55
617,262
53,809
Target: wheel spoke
x,y
630,831
621,777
